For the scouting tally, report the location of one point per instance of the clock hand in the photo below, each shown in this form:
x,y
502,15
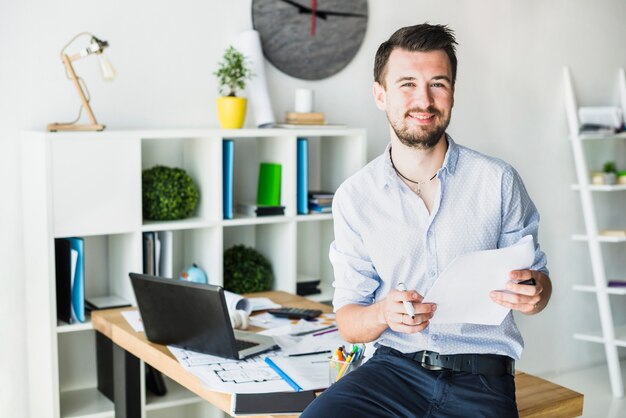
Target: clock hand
x,y
322,14
313,17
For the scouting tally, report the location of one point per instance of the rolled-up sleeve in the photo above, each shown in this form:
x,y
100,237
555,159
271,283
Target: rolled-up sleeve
x,y
356,279
519,217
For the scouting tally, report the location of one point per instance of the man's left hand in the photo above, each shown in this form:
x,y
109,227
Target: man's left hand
x,y
525,298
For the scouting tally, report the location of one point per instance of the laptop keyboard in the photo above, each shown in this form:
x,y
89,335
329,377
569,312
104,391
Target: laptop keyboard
x,y
242,345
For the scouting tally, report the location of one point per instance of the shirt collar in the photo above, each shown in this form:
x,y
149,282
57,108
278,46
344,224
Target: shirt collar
x,y
449,162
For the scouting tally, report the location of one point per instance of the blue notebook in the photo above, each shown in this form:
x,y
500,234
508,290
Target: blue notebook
x,y
303,176
228,164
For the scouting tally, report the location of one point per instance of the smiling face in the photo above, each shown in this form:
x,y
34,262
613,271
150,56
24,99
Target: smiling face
x,y
417,96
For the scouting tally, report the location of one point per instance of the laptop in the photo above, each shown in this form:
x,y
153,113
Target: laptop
x,y
192,316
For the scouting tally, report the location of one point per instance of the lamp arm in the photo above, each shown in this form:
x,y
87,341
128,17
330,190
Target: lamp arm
x,y
67,62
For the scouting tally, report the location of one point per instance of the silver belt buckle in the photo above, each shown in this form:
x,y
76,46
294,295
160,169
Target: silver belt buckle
x,y
428,366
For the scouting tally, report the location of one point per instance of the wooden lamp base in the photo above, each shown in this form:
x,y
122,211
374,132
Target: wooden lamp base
x,y
53,127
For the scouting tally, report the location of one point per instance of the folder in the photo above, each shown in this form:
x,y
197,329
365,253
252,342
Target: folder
x,y
70,279
271,403
165,254
303,175
149,253
228,170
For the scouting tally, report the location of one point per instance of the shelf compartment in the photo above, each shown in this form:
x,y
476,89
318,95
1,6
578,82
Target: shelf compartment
x,y
77,361
249,154
597,337
314,239
176,395
602,187
275,241
201,158
593,289
86,403
601,238
201,246
596,137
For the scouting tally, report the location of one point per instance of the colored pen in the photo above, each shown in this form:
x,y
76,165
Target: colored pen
x,y
299,334
408,306
283,375
326,332
308,354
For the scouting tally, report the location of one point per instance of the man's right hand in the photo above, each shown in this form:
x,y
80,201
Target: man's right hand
x,y
393,313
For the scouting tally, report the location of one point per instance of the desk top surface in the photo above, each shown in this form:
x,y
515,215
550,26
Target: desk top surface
x,y
536,397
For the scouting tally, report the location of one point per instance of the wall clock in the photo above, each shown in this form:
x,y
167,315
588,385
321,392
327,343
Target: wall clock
x,y
310,39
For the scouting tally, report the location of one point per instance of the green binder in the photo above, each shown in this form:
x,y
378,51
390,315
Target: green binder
x,y
268,192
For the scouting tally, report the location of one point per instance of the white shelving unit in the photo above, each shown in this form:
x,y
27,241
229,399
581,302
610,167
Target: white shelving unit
x,y
609,335
89,185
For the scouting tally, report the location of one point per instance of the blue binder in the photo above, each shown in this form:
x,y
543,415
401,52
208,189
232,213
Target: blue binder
x,y
77,254
228,164
303,176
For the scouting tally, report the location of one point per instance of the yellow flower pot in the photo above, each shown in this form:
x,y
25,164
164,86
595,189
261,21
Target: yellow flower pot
x,y
231,111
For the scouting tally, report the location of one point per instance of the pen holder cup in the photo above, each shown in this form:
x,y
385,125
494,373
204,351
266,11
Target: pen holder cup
x,y
338,369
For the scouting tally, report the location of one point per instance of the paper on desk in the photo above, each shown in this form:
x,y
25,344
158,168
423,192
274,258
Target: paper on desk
x,y
252,375
134,320
461,292
260,304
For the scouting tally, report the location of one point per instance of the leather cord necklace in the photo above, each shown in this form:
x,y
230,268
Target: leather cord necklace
x,y
418,184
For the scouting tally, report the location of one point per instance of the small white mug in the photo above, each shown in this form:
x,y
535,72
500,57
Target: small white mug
x,y
304,101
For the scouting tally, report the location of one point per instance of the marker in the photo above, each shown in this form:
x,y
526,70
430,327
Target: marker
x,y
408,306
530,282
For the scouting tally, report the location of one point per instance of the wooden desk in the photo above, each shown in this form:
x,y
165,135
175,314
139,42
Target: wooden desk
x,y
536,397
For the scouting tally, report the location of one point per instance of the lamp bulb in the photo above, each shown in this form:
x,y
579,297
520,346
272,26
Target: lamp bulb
x,y
106,68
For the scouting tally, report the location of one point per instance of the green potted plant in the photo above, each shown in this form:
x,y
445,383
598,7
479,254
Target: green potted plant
x,y
609,172
246,270
232,73
168,194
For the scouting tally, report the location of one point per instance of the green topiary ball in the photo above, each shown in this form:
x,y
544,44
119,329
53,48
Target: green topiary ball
x,y
246,270
168,194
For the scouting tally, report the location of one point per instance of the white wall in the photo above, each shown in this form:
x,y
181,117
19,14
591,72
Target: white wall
x,y
508,103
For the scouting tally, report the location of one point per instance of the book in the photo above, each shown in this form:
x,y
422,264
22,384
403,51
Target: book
x,y
63,268
252,209
310,126
165,257
105,302
305,118
613,232
320,194
77,248
268,192
616,283
322,201
309,287
228,164
149,253
303,175
320,209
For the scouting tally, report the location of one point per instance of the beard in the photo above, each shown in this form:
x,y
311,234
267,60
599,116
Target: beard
x,y
423,137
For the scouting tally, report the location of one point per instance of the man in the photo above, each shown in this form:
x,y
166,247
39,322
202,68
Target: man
x,y
402,219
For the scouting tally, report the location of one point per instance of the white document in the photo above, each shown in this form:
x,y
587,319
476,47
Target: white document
x,y
461,292
237,302
134,320
252,375
309,372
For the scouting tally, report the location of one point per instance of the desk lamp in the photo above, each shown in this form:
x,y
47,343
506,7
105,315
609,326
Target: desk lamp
x,y
96,46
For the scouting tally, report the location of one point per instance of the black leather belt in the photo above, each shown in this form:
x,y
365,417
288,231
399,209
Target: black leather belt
x,y
485,364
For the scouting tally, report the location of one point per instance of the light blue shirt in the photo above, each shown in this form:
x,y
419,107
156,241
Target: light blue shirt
x,y
384,235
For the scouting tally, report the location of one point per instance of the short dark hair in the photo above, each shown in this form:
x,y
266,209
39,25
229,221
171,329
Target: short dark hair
x,y
424,37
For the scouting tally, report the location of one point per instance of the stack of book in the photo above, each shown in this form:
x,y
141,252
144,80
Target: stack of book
x,y
320,202
310,118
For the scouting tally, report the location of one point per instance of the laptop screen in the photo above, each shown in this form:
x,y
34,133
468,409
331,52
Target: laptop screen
x,y
188,315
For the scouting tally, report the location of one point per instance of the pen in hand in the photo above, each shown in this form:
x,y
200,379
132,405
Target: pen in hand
x,y
408,306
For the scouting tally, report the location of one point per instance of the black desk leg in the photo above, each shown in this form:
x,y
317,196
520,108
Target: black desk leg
x,y
127,384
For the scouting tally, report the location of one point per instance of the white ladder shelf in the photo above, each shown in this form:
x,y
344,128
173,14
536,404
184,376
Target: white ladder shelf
x,y
608,332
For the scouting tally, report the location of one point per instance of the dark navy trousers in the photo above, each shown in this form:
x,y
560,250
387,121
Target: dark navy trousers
x,y
391,385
